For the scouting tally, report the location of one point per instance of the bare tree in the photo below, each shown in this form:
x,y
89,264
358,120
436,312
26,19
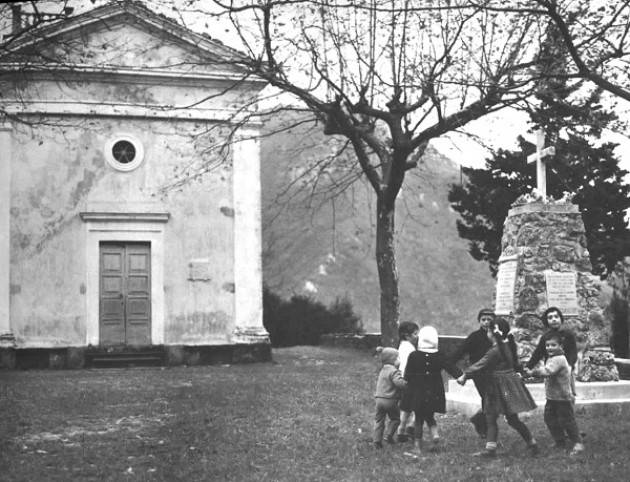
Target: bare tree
x,y
596,37
388,76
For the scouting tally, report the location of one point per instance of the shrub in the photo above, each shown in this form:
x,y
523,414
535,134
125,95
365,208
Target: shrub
x,y
302,320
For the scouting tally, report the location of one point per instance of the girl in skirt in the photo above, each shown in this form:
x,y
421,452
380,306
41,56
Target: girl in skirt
x,y
505,392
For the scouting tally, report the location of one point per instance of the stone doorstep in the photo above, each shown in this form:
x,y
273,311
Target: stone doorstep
x,y
466,401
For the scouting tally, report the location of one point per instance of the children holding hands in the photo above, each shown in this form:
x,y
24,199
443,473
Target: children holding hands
x,y
420,386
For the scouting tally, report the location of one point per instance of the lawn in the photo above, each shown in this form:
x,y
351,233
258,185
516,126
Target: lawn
x,y
306,416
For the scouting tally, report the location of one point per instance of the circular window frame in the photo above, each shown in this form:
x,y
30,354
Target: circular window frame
x,y
122,166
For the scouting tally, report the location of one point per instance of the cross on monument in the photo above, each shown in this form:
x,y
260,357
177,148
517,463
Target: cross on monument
x,y
541,174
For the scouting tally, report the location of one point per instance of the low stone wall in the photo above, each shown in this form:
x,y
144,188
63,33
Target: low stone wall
x,y
369,341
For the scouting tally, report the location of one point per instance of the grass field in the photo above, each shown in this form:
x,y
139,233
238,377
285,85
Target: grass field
x,y
306,416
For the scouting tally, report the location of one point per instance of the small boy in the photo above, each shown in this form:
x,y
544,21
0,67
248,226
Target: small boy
x,y
408,335
559,415
475,346
388,387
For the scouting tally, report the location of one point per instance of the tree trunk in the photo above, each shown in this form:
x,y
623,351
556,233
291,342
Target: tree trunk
x,y
387,272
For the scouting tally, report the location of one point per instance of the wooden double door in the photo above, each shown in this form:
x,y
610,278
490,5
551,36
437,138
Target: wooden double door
x,y
125,293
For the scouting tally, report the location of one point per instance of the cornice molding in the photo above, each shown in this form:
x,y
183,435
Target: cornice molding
x,y
100,109
147,75
124,217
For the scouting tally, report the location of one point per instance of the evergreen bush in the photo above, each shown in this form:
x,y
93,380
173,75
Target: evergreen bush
x,y
302,320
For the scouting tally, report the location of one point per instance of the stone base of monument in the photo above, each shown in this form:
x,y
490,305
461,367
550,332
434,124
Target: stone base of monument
x,y
592,397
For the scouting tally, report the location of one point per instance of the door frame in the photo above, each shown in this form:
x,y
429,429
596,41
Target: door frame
x,y
123,227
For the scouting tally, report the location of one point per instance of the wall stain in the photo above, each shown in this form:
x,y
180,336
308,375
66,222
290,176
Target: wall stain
x,y
198,324
226,211
83,186
229,287
54,226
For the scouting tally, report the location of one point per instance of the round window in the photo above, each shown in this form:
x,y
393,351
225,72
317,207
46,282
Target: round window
x,y
124,152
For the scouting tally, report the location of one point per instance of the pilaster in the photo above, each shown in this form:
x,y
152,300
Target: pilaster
x,y
6,336
248,324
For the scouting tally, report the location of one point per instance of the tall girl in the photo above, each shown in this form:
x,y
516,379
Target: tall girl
x,y
505,391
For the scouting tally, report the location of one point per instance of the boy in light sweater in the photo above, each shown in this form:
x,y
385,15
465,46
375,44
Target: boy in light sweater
x,y
389,384
559,415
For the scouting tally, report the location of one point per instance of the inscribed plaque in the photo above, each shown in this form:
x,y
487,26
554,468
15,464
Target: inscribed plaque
x,y
199,269
504,304
561,291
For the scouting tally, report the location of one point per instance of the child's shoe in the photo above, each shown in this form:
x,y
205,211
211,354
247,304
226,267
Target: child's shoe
x,y
378,445
417,447
486,453
435,436
578,448
489,452
401,437
533,449
390,439
410,431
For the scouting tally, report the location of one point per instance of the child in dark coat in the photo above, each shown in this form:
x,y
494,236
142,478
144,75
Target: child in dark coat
x,y
408,335
425,386
388,390
505,392
559,415
475,347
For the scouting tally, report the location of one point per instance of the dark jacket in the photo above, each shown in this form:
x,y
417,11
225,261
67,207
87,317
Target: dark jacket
x,y
475,346
567,341
424,377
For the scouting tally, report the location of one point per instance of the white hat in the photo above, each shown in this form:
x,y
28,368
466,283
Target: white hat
x,y
428,339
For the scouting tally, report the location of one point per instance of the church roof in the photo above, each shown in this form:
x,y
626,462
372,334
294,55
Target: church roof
x,y
121,12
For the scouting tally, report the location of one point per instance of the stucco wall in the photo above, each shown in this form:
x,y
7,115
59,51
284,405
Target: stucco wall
x,y
59,170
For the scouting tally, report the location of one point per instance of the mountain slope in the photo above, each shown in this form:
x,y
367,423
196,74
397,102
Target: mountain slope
x,y
325,247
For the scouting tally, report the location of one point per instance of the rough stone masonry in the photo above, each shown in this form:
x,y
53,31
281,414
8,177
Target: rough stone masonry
x,y
544,244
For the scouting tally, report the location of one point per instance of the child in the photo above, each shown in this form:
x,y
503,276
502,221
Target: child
x,y
505,392
475,346
408,334
388,386
553,319
425,386
559,416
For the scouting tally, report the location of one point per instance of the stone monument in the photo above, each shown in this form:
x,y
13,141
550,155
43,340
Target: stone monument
x,y
545,262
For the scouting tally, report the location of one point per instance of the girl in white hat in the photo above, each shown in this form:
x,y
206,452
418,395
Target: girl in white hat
x,y
426,389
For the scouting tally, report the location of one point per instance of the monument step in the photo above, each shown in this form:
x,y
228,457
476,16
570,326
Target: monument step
x,y
590,395
584,390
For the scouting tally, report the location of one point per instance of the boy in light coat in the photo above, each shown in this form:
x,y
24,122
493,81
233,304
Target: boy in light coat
x,y
559,415
389,385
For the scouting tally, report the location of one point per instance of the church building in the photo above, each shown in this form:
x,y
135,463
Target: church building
x,y
130,211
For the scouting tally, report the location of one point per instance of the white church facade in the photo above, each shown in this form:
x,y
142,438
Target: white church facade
x,y
123,224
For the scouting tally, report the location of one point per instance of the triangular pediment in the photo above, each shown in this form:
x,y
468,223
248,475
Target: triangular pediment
x,y
123,35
